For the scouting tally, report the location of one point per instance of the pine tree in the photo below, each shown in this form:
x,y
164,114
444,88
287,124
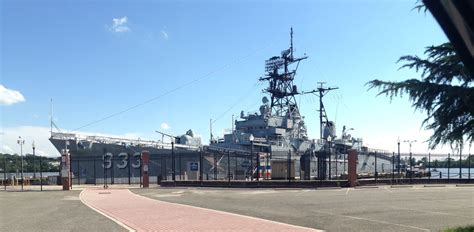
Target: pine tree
x,y
445,92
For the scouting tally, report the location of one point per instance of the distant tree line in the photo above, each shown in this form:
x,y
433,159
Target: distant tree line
x,y
30,163
453,162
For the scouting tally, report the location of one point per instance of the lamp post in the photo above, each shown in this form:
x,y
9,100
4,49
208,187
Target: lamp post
x,y
21,141
398,143
251,138
34,170
410,142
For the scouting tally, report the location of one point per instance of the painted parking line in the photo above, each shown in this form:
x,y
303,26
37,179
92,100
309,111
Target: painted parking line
x,y
374,220
136,212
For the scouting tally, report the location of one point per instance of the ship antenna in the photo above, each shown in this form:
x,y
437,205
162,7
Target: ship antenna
x,y
291,42
320,92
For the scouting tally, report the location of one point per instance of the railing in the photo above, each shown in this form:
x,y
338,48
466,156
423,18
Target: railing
x,y
119,141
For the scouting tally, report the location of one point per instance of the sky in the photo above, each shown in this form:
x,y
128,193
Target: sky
x,y
128,68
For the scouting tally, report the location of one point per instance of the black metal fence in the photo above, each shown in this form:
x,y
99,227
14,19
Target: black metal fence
x,y
28,172
125,168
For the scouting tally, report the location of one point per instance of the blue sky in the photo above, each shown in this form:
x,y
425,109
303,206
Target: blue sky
x,y
98,58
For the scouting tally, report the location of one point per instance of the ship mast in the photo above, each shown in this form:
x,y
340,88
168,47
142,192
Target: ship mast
x,y
280,78
323,118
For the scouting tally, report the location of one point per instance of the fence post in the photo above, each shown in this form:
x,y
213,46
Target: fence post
x,y
376,174
173,165
228,165
105,169
5,171
95,177
393,167
449,165
289,166
141,166
215,166
163,176
429,165
41,173
70,169
330,163
112,177
460,164
398,167
129,172
78,173
179,165
469,166
200,166
344,160
235,159
411,168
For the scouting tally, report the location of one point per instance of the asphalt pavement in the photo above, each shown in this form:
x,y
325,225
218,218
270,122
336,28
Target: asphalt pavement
x,y
383,208
52,210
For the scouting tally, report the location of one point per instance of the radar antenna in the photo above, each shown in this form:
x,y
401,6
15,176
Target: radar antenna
x,y
280,78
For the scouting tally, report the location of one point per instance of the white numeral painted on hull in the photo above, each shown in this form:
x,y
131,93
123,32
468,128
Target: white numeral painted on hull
x,y
123,163
124,160
107,158
137,156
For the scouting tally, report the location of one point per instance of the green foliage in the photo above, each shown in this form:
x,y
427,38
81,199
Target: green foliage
x,y
461,229
445,92
453,162
30,163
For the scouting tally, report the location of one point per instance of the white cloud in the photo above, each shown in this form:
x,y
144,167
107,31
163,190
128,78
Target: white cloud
x,y
164,34
120,25
10,96
165,126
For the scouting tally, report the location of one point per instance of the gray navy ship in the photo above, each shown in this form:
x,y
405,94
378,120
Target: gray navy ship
x,y
271,144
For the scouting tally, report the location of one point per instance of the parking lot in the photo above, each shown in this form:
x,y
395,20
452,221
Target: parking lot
x,y
383,208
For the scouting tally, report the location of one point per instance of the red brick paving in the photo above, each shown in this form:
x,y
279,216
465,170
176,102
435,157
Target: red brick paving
x,y
145,214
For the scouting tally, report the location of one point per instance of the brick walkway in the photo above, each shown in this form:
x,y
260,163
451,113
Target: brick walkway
x,y
144,214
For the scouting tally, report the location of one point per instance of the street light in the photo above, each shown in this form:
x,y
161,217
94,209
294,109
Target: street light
x,y
21,141
398,143
251,138
34,171
411,166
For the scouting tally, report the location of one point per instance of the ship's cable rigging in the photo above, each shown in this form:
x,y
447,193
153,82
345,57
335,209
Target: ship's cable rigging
x,y
246,94
224,67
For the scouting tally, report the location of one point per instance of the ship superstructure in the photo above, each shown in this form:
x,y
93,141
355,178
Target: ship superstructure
x,y
272,143
278,127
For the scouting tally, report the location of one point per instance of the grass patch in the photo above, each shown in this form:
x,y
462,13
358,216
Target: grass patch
x,y
461,229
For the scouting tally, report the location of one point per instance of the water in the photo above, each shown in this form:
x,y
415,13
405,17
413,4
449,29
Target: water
x,y
453,173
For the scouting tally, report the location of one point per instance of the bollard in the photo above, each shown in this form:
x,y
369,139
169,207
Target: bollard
x,y
440,175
